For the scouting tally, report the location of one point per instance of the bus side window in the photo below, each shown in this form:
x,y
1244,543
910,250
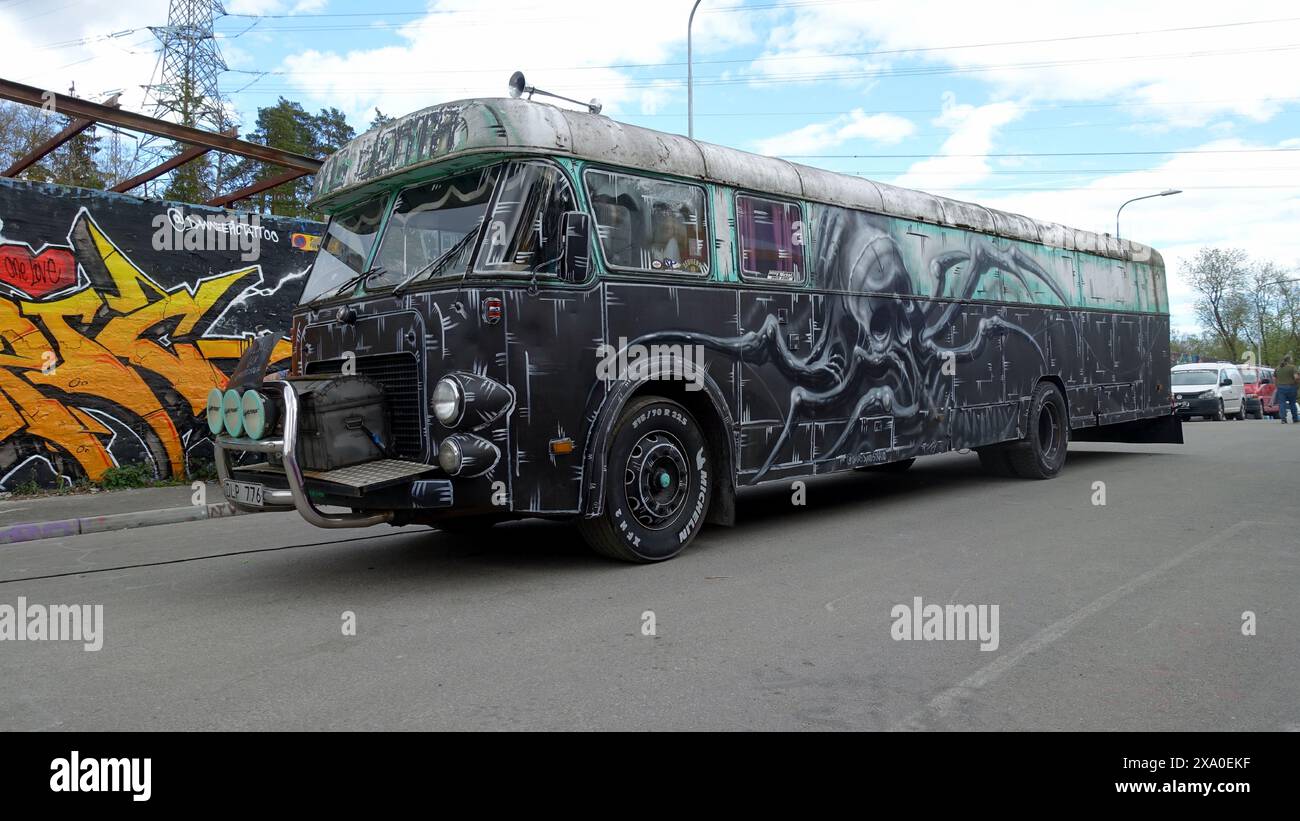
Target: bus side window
x,y
649,225
526,221
771,240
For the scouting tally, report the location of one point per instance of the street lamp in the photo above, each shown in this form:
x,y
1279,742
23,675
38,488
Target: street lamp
x,y
1167,193
690,98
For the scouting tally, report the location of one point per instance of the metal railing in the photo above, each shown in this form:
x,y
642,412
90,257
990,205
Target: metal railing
x,y
295,498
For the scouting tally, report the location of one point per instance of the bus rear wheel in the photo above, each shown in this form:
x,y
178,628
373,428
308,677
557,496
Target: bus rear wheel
x,y
657,484
1041,454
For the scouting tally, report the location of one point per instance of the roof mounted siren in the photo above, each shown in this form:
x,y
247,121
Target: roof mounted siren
x,y
519,87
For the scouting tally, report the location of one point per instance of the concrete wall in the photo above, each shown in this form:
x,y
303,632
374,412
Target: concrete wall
x,y
118,315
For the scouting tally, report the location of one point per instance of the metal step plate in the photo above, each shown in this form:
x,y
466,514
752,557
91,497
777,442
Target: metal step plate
x,y
365,476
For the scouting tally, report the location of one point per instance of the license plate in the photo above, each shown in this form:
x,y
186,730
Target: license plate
x,y
1183,404
245,493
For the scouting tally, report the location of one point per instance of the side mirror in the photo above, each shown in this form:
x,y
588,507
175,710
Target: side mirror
x,y
1265,381
1227,380
575,250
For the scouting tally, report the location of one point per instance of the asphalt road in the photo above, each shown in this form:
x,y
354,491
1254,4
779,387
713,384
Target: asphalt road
x,y
1118,617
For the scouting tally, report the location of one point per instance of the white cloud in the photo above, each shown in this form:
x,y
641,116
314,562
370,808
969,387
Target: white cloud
x,y
50,56
443,56
973,129
1111,68
885,129
274,6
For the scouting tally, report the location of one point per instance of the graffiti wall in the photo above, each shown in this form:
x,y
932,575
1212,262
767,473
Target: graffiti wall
x,y
118,315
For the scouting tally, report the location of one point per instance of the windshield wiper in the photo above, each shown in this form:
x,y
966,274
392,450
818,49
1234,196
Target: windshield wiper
x,y
361,277
437,264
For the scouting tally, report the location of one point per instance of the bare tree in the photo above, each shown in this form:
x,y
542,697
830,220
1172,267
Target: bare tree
x,y
1288,318
22,128
1264,299
1219,277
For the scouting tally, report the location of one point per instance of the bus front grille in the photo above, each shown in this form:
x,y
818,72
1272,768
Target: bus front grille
x,y
399,375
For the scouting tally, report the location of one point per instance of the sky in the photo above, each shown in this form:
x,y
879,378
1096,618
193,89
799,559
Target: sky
x,y
1061,114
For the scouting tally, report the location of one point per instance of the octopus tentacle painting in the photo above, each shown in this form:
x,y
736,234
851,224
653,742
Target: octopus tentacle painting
x,y
883,347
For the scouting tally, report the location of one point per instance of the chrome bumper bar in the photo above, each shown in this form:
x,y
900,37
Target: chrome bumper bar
x,y
295,498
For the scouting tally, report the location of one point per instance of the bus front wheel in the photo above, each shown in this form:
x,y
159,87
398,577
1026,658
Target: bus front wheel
x,y
657,484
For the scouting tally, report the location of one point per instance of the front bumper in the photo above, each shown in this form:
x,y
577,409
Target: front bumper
x,y
285,447
1196,407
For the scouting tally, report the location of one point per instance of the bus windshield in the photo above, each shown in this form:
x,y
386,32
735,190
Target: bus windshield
x,y
429,221
348,240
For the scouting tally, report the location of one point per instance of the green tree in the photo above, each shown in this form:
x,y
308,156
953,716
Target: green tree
x,y
76,161
195,181
332,131
380,119
285,125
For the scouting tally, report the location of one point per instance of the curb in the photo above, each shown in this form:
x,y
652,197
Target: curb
x,y
31,531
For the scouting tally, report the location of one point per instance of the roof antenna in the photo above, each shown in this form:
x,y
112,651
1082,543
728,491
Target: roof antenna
x,y
518,88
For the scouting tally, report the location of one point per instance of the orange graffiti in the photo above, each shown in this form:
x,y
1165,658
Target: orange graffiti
x,y
124,345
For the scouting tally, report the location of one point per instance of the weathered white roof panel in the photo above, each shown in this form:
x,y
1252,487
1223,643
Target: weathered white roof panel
x,y
905,202
733,168
968,215
604,140
467,127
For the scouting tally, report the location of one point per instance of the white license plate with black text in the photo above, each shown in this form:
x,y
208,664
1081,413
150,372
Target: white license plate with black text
x,y
245,493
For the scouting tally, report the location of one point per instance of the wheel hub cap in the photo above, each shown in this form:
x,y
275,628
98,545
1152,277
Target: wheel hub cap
x,y
656,479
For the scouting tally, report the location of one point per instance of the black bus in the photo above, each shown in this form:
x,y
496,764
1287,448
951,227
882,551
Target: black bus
x,y
524,311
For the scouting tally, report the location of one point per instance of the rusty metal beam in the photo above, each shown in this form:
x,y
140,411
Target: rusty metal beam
x,y
84,109
191,153
34,156
256,188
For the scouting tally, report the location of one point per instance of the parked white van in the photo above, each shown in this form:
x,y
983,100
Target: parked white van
x,y
1212,390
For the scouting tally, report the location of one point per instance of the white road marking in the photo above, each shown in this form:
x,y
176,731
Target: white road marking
x,y
946,704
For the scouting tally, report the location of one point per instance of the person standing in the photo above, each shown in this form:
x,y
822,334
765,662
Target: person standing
x,y
1286,389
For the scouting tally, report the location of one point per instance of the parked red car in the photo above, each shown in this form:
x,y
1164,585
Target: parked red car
x,y
1261,392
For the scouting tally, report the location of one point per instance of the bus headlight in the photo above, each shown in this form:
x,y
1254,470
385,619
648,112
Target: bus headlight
x,y
448,402
259,414
462,399
215,422
464,454
232,412
449,457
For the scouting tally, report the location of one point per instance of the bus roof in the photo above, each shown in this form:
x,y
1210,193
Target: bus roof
x,y
460,130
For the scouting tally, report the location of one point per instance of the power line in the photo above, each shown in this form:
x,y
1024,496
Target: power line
x,y
497,12
936,71
83,41
724,80
1017,106
1040,154
1123,188
1019,172
876,53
